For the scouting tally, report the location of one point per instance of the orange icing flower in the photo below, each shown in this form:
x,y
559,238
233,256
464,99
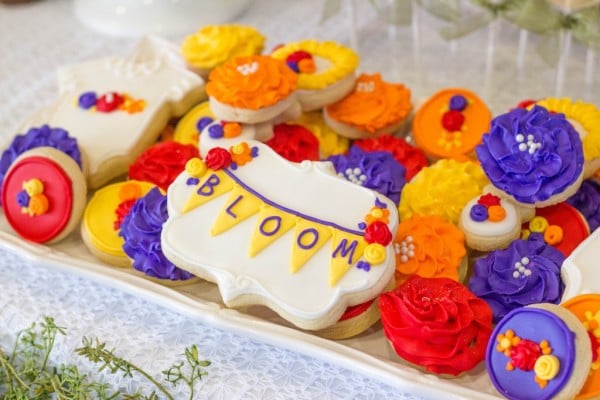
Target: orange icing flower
x,y
232,129
553,234
240,153
496,213
378,214
38,204
251,82
373,105
129,191
429,247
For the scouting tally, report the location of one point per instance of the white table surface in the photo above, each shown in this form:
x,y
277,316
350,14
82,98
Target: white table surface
x,y
36,38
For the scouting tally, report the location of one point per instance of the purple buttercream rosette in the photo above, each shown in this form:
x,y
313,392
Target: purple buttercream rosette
x,y
527,272
377,170
531,155
587,202
39,137
141,229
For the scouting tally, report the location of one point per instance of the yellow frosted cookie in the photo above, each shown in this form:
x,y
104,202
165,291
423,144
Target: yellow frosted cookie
x,y
189,127
103,216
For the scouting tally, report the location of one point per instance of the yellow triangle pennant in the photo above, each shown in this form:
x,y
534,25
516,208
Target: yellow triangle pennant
x,y
309,237
240,205
210,186
346,250
272,223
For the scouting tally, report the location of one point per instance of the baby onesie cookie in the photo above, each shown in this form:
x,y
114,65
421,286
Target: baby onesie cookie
x,y
526,272
116,107
43,195
580,269
451,123
436,324
374,107
188,128
539,352
251,89
103,216
265,240
533,157
326,71
585,118
212,45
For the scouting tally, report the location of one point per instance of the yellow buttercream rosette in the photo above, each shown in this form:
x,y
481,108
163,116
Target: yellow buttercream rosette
x,y
374,104
330,143
586,115
341,61
429,247
251,82
212,45
442,189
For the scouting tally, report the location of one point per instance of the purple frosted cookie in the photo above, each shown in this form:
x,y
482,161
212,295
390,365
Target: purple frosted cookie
x,y
526,272
534,156
587,202
141,230
37,137
377,170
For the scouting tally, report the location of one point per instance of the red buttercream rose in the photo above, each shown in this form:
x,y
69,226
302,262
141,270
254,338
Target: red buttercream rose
x,y
524,354
121,212
161,163
217,158
489,200
436,323
294,143
378,232
412,158
109,102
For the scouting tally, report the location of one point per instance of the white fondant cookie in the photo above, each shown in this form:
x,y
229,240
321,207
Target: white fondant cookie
x,y
579,271
269,231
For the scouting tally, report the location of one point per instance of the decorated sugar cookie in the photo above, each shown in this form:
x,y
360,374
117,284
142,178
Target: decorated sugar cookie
x,y
103,216
326,71
187,130
212,45
251,89
587,201
539,352
373,108
330,143
43,195
264,229
116,107
451,123
580,269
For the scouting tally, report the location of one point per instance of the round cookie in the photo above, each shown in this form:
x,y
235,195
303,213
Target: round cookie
x,y
212,45
436,324
539,352
534,157
251,89
103,216
187,130
326,71
587,309
373,108
43,195
450,124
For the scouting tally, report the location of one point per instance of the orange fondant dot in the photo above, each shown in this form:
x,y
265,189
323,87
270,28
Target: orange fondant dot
x,y
129,191
307,66
553,234
232,129
496,213
38,204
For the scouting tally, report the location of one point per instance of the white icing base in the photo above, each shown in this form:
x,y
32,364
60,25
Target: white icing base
x,y
580,270
249,116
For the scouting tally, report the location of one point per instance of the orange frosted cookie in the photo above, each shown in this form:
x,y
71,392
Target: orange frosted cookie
x,y
451,123
326,71
251,89
374,107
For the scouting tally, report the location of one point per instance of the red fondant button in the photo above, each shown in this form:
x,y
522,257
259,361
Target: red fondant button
x,y
57,189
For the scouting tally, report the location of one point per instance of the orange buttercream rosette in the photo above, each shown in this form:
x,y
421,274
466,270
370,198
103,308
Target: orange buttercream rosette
x,y
429,247
373,105
251,82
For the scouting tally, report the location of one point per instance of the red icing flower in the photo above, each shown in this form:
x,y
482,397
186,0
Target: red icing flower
x,y
524,354
161,163
294,143
378,232
526,103
453,120
121,212
489,200
411,157
109,102
436,323
298,56
217,158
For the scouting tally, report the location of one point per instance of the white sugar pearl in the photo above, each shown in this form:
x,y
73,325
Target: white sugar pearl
x,y
522,270
530,138
518,265
409,239
522,147
516,274
363,178
524,260
403,259
411,246
403,250
411,253
531,150
357,171
348,171
520,138
527,272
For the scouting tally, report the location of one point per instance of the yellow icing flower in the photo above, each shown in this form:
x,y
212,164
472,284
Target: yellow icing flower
x,y
374,253
442,189
195,167
538,224
546,367
240,153
378,214
33,186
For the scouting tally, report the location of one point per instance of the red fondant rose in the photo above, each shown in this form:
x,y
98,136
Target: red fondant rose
x,y
453,120
489,200
217,158
160,164
109,102
436,323
378,232
294,143
524,354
